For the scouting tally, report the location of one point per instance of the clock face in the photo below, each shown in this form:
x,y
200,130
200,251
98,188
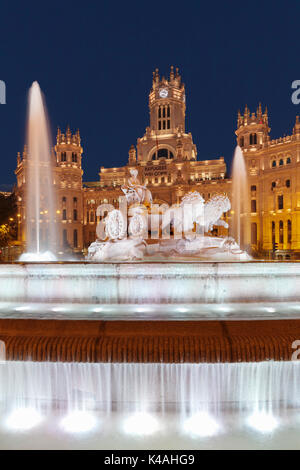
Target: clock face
x,y
163,92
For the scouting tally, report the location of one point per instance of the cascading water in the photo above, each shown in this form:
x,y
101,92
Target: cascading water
x,y
40,199
146,400
239,226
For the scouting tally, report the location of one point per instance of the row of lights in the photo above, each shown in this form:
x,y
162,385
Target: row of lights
x,y
201,424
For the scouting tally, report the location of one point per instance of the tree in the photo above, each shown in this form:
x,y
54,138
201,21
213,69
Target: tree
x,y
8,219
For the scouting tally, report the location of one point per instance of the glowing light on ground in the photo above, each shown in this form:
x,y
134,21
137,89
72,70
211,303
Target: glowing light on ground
x,y
79,421
263,421
23,419
141,423
201,425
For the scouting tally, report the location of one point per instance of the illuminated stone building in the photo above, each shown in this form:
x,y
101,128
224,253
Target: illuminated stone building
x,y
166,160
67,180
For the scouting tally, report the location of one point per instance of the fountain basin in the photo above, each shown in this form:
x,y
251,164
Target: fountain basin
x,y
157,290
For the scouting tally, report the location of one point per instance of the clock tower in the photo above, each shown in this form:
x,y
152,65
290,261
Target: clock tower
x,y
167,103
165,137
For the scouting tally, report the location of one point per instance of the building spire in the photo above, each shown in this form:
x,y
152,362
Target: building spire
x,y
172,73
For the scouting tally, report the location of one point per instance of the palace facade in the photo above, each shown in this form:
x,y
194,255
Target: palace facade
x,y
166,160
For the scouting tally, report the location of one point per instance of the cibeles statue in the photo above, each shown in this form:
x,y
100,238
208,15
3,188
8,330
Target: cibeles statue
x,y
141,230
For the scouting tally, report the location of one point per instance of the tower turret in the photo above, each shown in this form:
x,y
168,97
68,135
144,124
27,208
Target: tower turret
x,y
132,155
252,129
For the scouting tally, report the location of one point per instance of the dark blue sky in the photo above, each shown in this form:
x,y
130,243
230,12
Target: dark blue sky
x,y
94,62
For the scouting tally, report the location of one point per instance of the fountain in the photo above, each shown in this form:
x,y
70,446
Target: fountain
x,y
40,200
240,221
206,354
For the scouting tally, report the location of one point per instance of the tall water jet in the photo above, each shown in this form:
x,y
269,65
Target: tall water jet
x,y
239,203
40,207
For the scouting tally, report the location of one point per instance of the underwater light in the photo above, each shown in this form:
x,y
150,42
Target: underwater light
x,y
23,308
78,421
262,421
23,419
140,423
201,424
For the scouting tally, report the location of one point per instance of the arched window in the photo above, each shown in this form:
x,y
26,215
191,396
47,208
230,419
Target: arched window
x,y
65,237
253,205
253,139
280,231
280,162
162,153
288,160
273,233
75,238
273,163
289,231
254,233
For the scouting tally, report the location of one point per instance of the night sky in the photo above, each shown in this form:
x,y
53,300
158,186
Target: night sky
x,y
94,62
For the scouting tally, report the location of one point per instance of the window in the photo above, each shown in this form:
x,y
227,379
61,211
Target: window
x,y
254,233
253,188
253,139
288,183
63,157
273,184
281,231
75,201
242,142
87,217
64,200
75,238
162,153
289,231
273,234
64,214
280,162
65,237
74,157
280,202
288,160
75,214
273,163
92,219
253,205
163,113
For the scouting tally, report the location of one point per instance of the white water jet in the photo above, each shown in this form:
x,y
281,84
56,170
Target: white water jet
x,y
240,218
40,206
